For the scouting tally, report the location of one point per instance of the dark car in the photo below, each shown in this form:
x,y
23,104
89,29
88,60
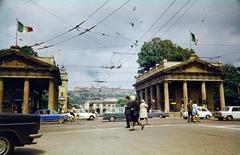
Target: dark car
x,y
157,113
49,115
17,130
114,114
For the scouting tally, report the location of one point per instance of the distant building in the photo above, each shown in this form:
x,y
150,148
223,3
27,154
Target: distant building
x,y
171,84
27,83
100,106
63,96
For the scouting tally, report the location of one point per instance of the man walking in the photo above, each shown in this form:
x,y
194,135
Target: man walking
x,y
189,108
127,111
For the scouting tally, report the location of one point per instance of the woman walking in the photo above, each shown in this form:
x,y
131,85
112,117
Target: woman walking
x,y
143,113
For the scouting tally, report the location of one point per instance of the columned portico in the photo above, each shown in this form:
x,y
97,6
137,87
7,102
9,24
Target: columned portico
x,y
191,79
185,95
1,95
166,96
222,98
25,105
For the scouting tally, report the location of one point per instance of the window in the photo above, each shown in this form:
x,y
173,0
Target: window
x,y
235,109
225,108
204,109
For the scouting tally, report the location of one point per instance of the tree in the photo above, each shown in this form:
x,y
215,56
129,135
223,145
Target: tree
x,y
157,50
26,50
121,102
232,81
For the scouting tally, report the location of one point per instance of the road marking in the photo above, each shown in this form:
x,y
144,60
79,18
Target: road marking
x,y
221,127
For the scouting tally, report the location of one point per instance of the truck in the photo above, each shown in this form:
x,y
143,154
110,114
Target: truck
x,y
17,130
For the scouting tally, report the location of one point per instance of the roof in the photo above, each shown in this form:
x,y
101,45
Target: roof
x,y
35,62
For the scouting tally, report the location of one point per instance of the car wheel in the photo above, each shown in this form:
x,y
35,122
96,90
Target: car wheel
x,y
160,116
207,117
91,118
112,119
229,118
6,145
61,120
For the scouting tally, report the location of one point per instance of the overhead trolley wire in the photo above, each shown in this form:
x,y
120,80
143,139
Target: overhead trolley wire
x,y
75,27
87,30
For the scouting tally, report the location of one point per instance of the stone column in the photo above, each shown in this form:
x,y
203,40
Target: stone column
x,y
151,97
158,95
25,106
51,95
166,97
203,90
185,95
222,98
146,95
141,94
1,95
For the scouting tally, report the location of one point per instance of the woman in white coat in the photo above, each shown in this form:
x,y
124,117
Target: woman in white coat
x,y
143,113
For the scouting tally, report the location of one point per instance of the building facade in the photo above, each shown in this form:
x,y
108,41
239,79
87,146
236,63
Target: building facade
x,y
27,83
63,95
170,85
100,106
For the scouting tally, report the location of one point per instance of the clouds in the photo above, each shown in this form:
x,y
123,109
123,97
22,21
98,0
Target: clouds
x,y
215,22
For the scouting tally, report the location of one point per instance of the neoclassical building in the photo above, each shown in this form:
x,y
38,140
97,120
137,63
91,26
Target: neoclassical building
x,y
170,85
27,83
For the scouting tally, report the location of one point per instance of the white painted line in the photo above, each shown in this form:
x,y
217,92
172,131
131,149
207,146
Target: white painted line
x,y
221,127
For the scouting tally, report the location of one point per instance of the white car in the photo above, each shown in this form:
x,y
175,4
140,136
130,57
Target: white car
x,y
203,112
82,114
229,113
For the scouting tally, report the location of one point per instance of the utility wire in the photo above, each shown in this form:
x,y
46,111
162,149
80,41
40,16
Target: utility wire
x,y
87,30
180,17
171,18
164,12
76,27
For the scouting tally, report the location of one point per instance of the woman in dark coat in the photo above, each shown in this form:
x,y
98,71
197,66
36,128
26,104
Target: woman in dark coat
x,y
134,113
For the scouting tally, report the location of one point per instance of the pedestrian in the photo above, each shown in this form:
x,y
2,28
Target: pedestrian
x,y
143,113
195,112
181,110
189,108
127,111
134,113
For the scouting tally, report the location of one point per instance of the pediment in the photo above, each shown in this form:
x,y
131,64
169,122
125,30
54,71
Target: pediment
x,y
18,60
195,66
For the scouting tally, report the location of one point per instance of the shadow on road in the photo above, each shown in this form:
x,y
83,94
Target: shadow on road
x,y
27,151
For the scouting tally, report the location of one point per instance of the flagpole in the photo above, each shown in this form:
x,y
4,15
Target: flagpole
x,y
16,31
190,43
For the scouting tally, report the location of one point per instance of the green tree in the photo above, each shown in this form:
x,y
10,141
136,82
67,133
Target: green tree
x,y
232,81
121,102
157,50
26,50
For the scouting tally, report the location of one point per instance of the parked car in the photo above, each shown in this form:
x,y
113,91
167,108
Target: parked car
x,y
203,112
82,114
17,130
50,115
229,113
157,113
114,114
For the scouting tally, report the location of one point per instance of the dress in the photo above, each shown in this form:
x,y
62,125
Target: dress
x,y
143,110
134,111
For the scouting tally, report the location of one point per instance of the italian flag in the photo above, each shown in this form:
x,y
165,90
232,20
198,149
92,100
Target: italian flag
x,y
194,38
22,28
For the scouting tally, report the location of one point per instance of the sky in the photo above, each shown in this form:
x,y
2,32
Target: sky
x,y
118,24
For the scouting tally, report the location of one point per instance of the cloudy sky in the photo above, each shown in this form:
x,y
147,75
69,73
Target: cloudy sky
x,y
118,24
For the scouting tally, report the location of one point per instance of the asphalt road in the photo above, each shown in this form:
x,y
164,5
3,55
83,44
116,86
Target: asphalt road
x,y
171,136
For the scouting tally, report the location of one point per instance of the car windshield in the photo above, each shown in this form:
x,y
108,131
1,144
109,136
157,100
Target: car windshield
x,y
225,108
